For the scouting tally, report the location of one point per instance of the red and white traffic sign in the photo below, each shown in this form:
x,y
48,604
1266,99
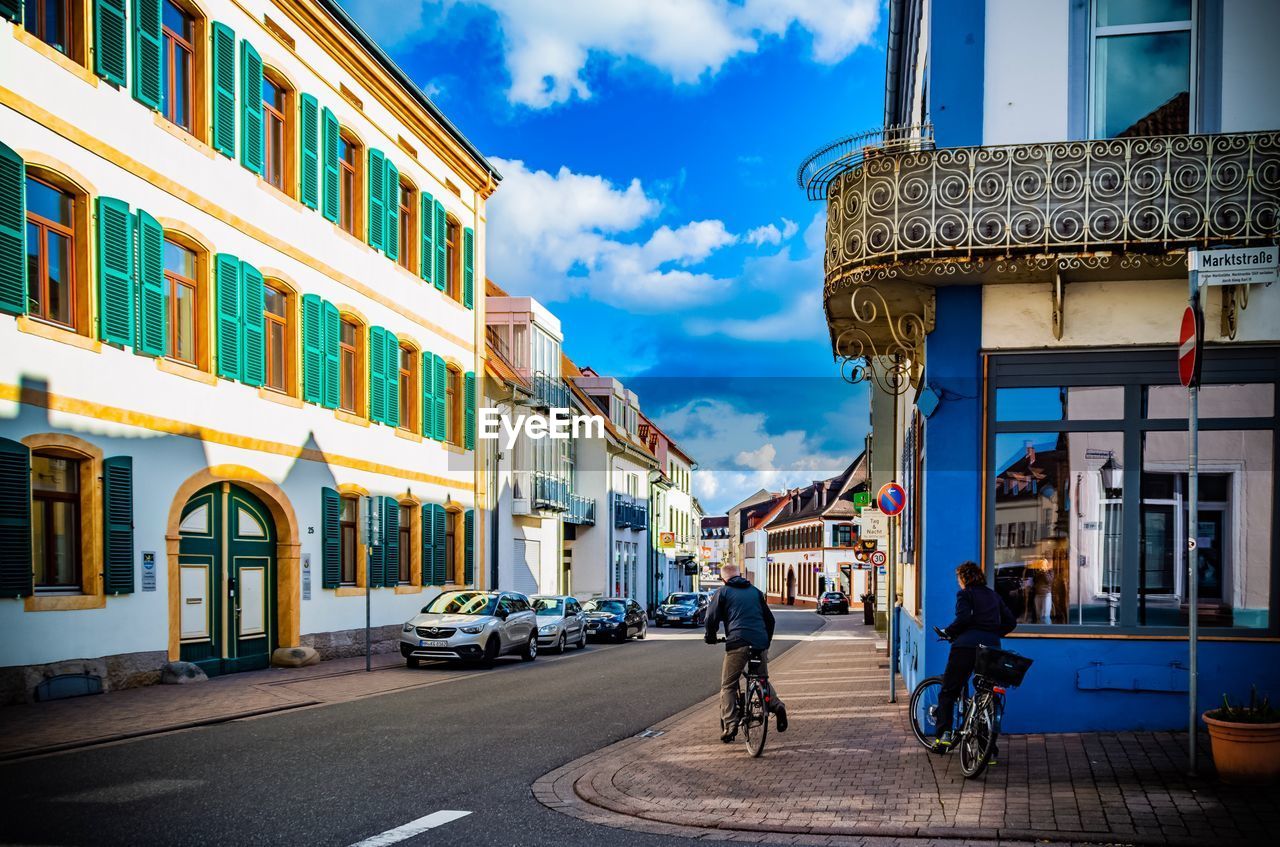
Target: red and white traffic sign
x,y
891,499
879,558
1190,342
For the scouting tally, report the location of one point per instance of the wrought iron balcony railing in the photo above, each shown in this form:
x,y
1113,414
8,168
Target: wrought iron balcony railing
x,y
582,510
550,392
923,211
630,512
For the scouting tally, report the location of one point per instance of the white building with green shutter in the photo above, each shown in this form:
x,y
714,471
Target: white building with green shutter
x,y
239,251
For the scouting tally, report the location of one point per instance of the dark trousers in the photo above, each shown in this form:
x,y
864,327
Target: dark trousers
x,y
954,678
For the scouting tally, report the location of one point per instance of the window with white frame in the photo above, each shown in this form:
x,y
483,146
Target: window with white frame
x,y
1142,67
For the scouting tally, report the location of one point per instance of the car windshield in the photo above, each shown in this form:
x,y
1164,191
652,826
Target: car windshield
x,y
681,599
832,595
461,603
612,607
548,606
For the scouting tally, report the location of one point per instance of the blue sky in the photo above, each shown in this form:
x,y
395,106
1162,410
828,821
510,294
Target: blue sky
x,y
649,150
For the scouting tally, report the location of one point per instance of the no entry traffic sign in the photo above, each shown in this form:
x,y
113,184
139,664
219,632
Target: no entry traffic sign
x,y
892,499
1190,341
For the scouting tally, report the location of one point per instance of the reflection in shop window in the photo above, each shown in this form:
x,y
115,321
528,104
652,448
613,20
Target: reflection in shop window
x,y
1233,533
1058,516
1077,403
1246,400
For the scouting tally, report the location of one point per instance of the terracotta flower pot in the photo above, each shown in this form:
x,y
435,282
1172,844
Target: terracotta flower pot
x,y
1245,753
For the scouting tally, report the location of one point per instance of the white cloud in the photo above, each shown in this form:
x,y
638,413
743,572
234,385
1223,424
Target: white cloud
x,y
801,320
557,235
549,43
770,234
737,455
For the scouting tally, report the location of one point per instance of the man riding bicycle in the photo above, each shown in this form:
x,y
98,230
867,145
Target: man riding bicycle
x,y
748,625
982,617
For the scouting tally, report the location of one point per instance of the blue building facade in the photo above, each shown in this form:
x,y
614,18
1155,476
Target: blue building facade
x,y
1028,274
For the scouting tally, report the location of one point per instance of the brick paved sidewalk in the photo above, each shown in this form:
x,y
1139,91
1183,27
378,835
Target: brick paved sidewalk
x,y
39,728
849,771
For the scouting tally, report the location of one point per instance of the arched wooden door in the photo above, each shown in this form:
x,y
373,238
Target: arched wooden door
x,y
791,587
227,580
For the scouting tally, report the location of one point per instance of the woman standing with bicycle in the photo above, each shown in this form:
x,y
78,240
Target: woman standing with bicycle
x,y
982,617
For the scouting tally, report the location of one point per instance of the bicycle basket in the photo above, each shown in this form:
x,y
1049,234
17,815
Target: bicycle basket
x,y
1001,666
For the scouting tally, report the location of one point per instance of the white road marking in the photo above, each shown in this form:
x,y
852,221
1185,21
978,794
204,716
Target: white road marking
x,y
412,828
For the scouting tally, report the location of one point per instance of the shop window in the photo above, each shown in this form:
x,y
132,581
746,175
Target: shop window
x,y
179,62
55,522
55,281
1142,67
277,131
350,528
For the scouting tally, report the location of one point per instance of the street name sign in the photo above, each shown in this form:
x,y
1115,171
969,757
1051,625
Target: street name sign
x,y
1243,266
1190,338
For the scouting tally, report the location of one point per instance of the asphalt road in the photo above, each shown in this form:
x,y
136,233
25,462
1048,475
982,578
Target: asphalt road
x,y
346,772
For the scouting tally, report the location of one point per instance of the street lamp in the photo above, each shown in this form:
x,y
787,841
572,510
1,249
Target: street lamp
x,y
1112,476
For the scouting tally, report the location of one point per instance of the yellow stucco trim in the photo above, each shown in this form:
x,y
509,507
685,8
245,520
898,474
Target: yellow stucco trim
x,y
185,371
283,399
288,547
184,136
175,188
97,411
349,590
408,589
66,63
35,327
350,417
63,603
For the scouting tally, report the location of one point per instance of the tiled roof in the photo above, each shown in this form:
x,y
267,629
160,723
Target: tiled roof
x,y
499,368
826,498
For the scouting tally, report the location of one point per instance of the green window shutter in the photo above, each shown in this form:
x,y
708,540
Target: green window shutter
x,y
469,547
117,512
147,46
442,236
391,542
13,232
468,266
330,538
427,222
227,293
329,162
377,374
251,140
469,386
224,90
393,380
150,295
439,567
377,199
312,349
12,10
392,198
115,271
309,142
253,368
109,40
331,331
441,378
428,545
15,519
428,397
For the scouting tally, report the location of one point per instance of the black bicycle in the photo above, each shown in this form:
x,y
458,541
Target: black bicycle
x,y
976,722
753,706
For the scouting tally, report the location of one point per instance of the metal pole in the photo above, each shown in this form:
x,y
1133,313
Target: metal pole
x,y
1193,555
891,562
368,599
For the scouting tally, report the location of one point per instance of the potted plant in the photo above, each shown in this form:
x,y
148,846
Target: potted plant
x,y
868,608
1245,740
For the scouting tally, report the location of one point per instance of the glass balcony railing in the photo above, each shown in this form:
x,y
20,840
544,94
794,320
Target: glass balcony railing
x,y
582,511
630,512
550,492
550,392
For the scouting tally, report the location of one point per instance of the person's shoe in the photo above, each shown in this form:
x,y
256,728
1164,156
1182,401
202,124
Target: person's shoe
x,y
780,718
944,742
729,734
995,753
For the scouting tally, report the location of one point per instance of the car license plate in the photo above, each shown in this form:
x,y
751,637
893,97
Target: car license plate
x,y
433,643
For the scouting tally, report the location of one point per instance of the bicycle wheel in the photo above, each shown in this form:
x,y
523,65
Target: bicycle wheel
x,y
755,719
924,710
979,738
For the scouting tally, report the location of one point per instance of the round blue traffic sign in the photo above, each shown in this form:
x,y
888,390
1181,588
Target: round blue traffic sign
x,y
891,499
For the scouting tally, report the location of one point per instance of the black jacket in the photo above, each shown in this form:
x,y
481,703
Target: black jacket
x,y
982,617
741,607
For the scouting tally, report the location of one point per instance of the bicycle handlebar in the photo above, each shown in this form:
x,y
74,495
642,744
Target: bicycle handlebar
x,y
942,635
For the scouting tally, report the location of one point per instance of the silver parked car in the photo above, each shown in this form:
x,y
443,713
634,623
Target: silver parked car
x,y
561,621
471,626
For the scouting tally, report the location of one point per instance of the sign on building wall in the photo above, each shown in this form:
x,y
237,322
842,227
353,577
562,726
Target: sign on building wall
x,y
306,576
1245,266
666,540
148,570
875,527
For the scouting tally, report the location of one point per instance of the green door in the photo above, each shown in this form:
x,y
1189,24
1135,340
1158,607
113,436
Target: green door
x,y
227,580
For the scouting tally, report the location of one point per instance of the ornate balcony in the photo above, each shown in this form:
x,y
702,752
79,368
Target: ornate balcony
x,y
902,220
